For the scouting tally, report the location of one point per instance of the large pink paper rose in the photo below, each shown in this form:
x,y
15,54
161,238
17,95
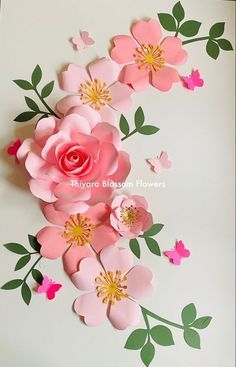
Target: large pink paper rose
x,y
66,156
149,58
114,285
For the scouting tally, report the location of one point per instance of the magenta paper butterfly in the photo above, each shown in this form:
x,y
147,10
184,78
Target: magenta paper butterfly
x,y
13,149
49,287
80,43
178,253
159,163
193,80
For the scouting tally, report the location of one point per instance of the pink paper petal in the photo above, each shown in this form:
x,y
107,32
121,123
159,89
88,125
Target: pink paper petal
x,y
99,194
114,258
72,258
124,313
117,201
48,151
44,128
52,243
103,236
98,213
86,305
174,54
54,216
107,114
73,77
89,270
25,148
137,78
139,282
73,124
66,103
164,79
108,158
106,133
43,189
121,97
104,70
71,208
123,169
92,116
147,32
36,166
124,49
66,191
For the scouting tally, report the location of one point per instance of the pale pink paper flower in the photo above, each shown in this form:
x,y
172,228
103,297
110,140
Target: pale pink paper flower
x,y
73,233
114,284
130,216
98,88
66,153
148,57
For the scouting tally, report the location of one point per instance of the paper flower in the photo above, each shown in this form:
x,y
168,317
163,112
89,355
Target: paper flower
x,y
74,233
13,149
148,57
113,285
98,88
66,153
130,216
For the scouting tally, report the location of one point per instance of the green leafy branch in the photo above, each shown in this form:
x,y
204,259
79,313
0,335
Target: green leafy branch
x,y
140,128
190,28
150,242
146,339
45,92
21,263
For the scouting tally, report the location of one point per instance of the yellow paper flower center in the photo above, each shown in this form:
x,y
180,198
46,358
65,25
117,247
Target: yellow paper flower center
x,y
129,215
78,230
149,57
94,93
111,286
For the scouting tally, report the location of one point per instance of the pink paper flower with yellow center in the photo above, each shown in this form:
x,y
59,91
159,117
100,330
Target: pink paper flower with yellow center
x,y
129,215
114,285
98,88
74,233
149,58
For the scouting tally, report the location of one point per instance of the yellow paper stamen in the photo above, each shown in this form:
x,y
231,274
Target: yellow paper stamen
x,y
149,57
111,287
94,93
129,215
78,230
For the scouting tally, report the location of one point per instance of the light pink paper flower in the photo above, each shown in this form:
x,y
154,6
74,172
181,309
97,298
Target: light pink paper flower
x,y
130,216
74,233
98,88
148,57
113,286
66,153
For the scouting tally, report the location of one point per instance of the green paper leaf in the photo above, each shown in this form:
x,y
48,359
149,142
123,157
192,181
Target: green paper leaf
x,y
217,30
134,247
139,118
137,339
37,275
178,11
22,262
23,84
190,28
47,90
26,293
167,22
25,116
162,335
31,104
192,338
156,228
153,246
189,314
16,248
12,284
34,243
148,130
225,44
202,322
124,125
212,49
36,76
147,354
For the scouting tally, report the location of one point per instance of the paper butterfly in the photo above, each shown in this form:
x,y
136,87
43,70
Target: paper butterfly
x,y
13,149
49,287
193,80
178,253
84,40
159,163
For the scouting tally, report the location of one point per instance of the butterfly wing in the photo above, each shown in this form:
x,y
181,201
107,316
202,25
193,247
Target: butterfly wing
x,y
86,38
182,251
196,78
45,285
78,44
188,82
52,290
164,160
173,256
155,163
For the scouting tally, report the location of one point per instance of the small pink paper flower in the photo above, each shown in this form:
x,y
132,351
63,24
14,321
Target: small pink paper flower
x,y
13,149
148,57
130,216
113,285
98,88
74,233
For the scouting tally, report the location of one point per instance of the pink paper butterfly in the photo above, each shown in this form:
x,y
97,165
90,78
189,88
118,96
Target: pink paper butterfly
x,y
13,149
159,163
49,287
80,43
193,80
178,253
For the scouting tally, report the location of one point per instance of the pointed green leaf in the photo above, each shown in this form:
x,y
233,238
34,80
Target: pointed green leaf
x,y
31,104
167,22
137,339
134,247
16,248
189,314
153,246
26,293
36,76
225,44
22,262
34,243
147,354
12,284
23,84
124,125
156,228
139,117
202,322
178,11
162,335
25,116
212,49
37,275
217,30
47,90
148,130
190,28
192,338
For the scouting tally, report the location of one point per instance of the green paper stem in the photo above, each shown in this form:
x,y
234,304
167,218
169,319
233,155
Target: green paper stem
x,y
130,134
146,321
147,313
177,29
51,112
33,266
195,40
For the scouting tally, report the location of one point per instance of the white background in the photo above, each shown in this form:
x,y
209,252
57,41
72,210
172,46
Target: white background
x,y
197,129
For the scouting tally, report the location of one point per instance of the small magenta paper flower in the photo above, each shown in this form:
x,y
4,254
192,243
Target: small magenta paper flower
x,y
149,58
98,88
130,216
73,233
113,285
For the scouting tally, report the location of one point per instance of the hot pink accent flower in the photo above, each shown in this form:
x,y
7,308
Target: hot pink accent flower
x,y
148,57
66,153
98,88
13,149
130,216
113,286
74,233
